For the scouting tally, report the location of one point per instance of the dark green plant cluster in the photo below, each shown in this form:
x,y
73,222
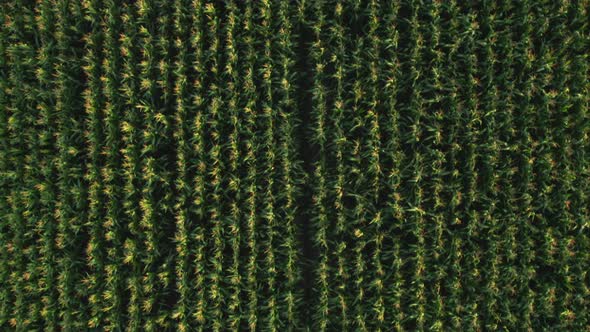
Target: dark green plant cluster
x,y
310,165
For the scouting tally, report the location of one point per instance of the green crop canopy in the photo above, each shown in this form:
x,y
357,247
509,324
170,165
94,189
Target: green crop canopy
x,y
294,165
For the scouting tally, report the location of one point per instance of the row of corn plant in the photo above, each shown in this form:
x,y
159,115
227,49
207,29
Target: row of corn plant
x,y
150,167
445,137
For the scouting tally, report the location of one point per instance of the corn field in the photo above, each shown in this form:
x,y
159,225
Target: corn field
x,y
308,165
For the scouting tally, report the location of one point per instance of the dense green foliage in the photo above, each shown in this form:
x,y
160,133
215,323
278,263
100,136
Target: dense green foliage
x,y
451,184
294,165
